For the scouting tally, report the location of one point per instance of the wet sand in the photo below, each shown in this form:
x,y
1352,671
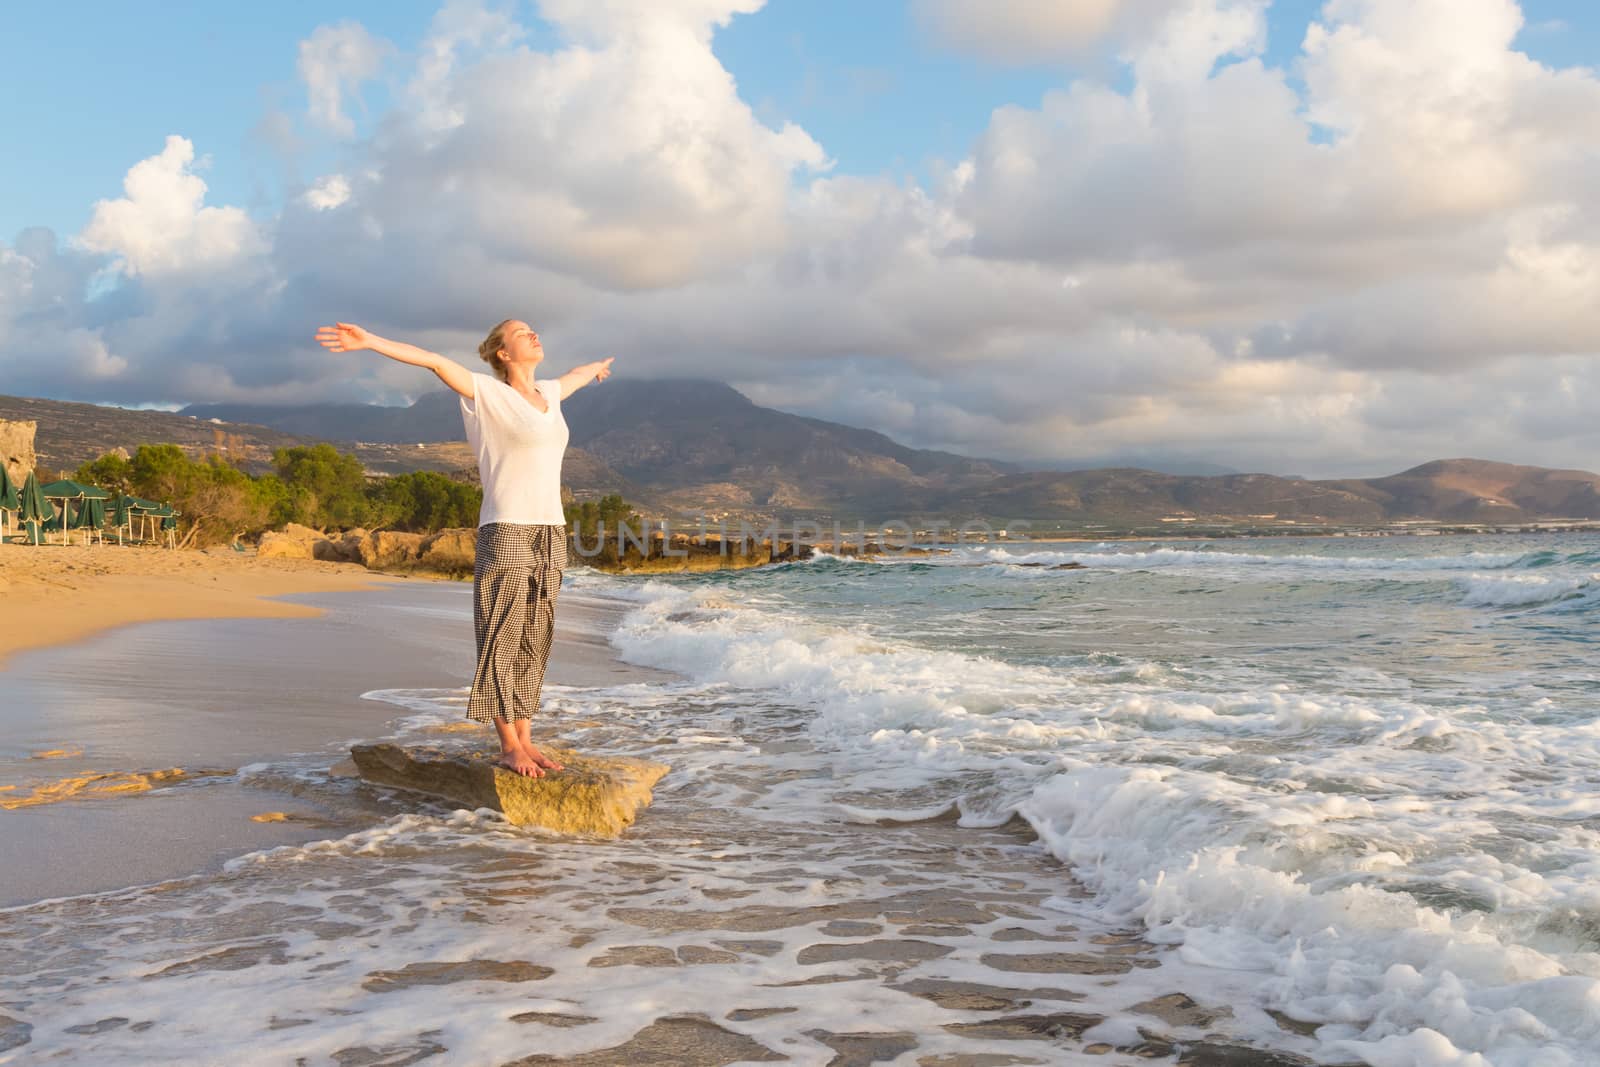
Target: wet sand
x,y
217,696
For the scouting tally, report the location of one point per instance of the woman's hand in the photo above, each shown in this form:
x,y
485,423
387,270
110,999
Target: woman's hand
x,y
348,337
578,377
344,337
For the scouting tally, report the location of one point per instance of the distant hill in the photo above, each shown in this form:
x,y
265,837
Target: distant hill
x,y
1476,490
433,417
693,444
71,434
688,447
1124,496
1455,490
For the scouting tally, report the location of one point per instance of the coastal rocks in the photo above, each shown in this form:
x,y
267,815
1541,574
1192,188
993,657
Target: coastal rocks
x,y
450,551
387,549
16,448
292,542
593,795
348,546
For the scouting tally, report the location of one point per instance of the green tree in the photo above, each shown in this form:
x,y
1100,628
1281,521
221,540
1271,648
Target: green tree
x,y
163,472
327,489
605,514
112,471
425,501
215,500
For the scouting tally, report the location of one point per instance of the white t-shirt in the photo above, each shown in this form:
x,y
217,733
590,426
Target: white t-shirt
x,y
519,451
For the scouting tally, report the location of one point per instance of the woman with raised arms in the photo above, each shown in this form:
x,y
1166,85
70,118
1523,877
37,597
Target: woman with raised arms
x,y
515,427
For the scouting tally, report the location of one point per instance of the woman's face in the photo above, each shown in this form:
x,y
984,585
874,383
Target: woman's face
x,y
521,344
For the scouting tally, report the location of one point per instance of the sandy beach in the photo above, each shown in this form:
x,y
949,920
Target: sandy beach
x,y
58,593
108,728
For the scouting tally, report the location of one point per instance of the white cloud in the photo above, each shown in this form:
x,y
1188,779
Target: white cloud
x,y
162,225
607,21
334,62
1029,31
327,192
628,161
1388,258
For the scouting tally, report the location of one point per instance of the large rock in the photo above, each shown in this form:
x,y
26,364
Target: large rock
x,y
16,448
389,548
593,795
293,542
296,543
348,545
450,550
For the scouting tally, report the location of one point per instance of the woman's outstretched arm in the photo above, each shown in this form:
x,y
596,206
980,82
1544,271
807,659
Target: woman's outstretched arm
x,y
347,337
578,377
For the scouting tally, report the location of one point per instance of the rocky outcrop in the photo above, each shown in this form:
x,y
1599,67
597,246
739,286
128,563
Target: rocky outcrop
x,y
593,795
450,551
16,448
292,542
389,549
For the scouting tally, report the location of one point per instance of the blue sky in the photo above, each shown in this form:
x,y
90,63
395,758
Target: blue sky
x,y
1184,235
87,89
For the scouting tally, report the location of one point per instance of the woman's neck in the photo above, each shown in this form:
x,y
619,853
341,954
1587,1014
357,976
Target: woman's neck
x,y
520,376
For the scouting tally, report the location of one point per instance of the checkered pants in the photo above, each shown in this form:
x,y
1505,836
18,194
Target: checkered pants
x,y
514,586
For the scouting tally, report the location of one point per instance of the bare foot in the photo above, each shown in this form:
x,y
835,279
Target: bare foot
x,y
520,762
544,761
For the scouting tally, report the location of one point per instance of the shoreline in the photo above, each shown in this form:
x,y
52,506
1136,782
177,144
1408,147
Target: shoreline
x,y
142,771
770,911
56,595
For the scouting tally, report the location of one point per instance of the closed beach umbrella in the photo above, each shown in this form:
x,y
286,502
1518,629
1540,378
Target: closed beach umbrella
x,y
32,508
169,523
8,499
121,514
90,515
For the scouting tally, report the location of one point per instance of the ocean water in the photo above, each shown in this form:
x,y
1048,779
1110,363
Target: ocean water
x,y
1363,772
1343,793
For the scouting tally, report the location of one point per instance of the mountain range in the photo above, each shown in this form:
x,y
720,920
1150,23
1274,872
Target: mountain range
x,y
685,447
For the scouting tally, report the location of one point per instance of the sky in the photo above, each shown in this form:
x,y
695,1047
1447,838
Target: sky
x,y
1326,238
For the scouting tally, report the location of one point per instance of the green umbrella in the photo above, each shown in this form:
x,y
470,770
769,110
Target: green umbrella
x,y
66,490
8,499
169,522
122,512
33,508
89,515
66,487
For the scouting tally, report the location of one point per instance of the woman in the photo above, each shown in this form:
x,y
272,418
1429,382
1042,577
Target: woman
x,y
514,424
